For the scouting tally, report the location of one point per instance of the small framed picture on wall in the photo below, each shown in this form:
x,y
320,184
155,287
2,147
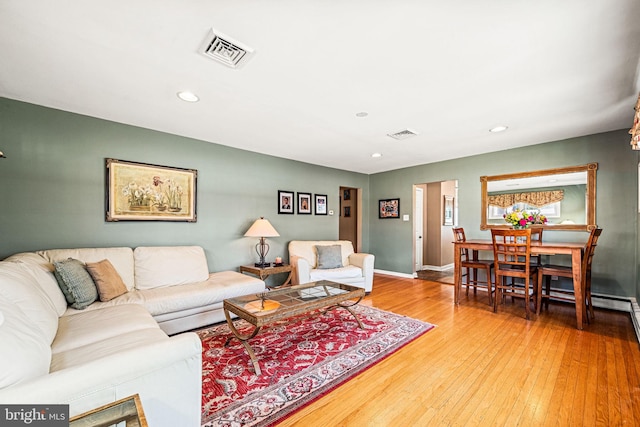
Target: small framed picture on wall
x,y
304,203
285,202
389,208
448,210
321,204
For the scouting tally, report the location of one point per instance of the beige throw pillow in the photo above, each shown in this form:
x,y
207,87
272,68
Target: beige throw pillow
x,y
107,279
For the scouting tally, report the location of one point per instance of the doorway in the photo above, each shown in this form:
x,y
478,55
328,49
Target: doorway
x,y
433,221
350,216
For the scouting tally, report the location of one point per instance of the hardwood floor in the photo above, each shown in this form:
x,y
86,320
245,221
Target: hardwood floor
x,y
477,368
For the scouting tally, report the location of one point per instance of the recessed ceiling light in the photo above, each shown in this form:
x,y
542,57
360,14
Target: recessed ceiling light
x,y
362,114
498,129
188,96
376,155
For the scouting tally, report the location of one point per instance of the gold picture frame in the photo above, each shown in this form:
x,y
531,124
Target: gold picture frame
x,y
145,192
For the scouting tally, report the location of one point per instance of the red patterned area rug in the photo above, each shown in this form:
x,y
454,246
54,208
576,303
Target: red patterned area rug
x,y
301,360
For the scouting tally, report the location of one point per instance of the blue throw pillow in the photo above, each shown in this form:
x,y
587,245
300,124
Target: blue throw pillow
x,y
76,283
329,256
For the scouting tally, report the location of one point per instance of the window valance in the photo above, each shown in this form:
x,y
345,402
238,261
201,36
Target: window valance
x,y
534,198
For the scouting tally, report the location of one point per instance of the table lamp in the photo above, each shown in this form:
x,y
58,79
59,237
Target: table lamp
x,y
262,228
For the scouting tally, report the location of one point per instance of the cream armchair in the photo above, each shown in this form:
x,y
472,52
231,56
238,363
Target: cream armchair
x,y
334,260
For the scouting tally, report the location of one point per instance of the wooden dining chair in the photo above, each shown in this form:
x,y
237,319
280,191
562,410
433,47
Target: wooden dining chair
x,y
549,270
512,259
472,266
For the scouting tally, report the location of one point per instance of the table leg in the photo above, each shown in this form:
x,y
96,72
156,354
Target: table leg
x,y
244,340
354,315
576,266
457,275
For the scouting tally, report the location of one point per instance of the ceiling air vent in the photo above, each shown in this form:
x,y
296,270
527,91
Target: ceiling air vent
x,y
224,49
403,134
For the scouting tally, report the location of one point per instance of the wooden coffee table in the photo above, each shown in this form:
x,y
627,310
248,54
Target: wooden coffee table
x,y
282,304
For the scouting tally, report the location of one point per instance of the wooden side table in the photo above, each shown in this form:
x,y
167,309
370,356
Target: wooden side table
x,y
265,272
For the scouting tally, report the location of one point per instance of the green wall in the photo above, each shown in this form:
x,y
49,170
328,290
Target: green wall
x,y
615,263
52,188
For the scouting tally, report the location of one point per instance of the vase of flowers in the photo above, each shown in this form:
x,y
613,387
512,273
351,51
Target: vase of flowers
x,y
520,219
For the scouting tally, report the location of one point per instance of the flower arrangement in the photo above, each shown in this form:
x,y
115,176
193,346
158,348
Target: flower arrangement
x,y
523,219
170,196
137,195
167,195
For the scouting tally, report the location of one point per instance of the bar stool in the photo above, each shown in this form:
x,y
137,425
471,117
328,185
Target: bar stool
x,y
549,270
473,265
512,257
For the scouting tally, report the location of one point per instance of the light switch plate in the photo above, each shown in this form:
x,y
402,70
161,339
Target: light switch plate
x,y
405,217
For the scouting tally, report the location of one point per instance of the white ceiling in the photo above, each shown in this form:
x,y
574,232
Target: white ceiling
x,y
449,70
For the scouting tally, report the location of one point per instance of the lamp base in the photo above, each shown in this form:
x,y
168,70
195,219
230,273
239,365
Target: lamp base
x,y
262,264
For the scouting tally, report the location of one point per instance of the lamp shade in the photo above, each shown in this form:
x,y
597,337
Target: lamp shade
x,y
261,228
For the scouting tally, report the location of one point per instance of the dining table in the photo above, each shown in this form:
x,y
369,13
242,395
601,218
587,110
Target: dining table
x,y
575,249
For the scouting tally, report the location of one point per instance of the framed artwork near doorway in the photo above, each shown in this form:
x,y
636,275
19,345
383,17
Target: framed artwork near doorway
x,y
321,204
448,211
389,208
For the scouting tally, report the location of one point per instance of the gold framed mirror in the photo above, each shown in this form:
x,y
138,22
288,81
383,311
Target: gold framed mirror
x,y
566,196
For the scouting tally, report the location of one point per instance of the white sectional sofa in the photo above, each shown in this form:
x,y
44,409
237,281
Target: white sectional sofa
x,y
346,267
52,353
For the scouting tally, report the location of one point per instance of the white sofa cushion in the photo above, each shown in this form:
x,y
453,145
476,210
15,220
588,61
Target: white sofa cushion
x,y
24,353
167,266
42,270
120,258
19,286
88,327
219,286
336,274
104,348
131,297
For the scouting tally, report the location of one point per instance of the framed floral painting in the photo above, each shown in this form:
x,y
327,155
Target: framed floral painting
x,y
144,192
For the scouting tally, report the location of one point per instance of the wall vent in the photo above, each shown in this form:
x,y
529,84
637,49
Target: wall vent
x,y
225,50
403,134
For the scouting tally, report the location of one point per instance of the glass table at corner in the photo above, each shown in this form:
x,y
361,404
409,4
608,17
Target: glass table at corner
x,y
127,411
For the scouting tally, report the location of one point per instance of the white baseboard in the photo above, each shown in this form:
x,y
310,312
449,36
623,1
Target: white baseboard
x,y
437,267
395,273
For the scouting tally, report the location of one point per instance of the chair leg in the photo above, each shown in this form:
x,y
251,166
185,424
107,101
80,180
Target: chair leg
x,y
468,280
548,290
527,308
587,300
489,285
474,278
498,295
539,293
